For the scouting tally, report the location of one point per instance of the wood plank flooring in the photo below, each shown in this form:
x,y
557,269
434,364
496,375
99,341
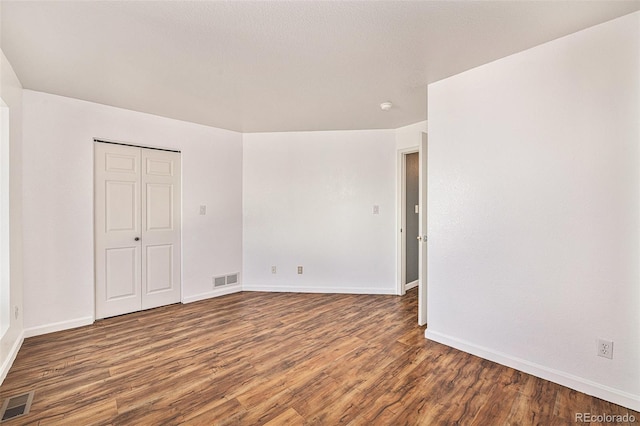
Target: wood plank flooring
x,y
277,359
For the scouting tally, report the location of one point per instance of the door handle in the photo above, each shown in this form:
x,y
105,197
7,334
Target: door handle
x,y
136,239
419,237
422,238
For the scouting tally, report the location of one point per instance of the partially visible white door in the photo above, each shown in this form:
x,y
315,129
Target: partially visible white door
x,y
160,228
117,225
137,228
422,233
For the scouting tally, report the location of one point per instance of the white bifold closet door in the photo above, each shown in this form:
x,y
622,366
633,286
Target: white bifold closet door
x,y
137,228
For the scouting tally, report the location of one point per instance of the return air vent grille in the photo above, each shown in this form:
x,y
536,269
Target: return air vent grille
x,y
225,280
16,406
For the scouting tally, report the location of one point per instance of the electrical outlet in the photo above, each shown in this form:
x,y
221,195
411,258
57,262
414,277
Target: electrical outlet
x,y
203,210
605,348
273,270
299,269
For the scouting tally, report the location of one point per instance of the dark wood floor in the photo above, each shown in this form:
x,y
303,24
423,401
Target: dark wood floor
x,y
276,358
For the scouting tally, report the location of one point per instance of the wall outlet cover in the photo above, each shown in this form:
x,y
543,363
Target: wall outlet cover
x,y
605,348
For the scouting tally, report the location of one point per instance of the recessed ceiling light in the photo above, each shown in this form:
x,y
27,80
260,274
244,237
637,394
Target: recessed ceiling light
x,y
386,106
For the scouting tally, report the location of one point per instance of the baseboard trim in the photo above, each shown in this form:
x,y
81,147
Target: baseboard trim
x,y
58,326
299,289
580,384
214,293
412,284
11,356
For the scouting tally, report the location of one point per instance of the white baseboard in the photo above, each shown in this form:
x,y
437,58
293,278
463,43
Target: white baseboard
x,y
214,293
412,284
560,377
300,289
58,326
11,356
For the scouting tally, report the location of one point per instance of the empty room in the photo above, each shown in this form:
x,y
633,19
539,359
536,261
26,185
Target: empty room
x,y
319,212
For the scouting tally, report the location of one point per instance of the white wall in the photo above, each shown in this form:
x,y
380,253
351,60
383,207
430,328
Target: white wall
x,y
11,93
308,200
410,136
58,202
534,210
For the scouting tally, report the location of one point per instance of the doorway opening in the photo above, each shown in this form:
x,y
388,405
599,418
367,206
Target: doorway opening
x,y
412,223
409,220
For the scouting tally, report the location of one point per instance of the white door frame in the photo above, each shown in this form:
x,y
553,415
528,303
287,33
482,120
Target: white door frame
x,y
401,219
422,232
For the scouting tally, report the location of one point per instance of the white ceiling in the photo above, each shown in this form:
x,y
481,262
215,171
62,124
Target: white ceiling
x,y
274,66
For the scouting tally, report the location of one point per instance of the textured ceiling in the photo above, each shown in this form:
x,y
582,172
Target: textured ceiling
x,y
274,66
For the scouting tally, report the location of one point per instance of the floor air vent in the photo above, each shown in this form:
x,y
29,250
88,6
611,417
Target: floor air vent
x,y
225,280
16,406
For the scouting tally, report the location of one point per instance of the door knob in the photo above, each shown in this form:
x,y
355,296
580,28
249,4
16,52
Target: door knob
x,y
419,237
136,239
